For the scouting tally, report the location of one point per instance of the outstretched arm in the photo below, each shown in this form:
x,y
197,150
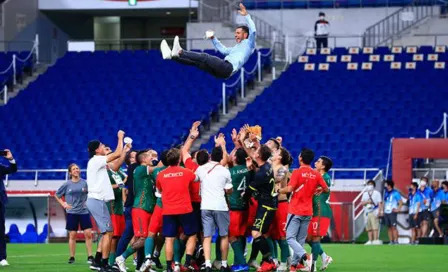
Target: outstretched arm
x,y
194,133
250,25
220,47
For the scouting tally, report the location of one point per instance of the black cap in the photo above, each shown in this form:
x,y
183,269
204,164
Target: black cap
x,y
93,145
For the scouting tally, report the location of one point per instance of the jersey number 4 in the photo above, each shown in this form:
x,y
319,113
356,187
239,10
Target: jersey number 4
x,y
242,186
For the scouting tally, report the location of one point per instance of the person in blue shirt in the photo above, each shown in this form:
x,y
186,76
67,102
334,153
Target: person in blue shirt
x,y
442,195
236,56
435,205
415,208
392,205
425,215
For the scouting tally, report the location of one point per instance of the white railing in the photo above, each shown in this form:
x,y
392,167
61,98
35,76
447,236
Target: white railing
x,y
240,80
431,172
37,171
13,66
442,126
364,170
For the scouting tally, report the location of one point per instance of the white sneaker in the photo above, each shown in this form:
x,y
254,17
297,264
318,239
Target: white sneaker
x,y
368,243
166,51
176,268
309,262
282,267
216,264
254,264
326,263
4,263
146,265
176,48
121,262
377,242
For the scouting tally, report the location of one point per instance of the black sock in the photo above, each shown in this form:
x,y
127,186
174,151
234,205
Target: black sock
x,y
168,265
263,245
303,259
105,262
255,249
187,260
98,257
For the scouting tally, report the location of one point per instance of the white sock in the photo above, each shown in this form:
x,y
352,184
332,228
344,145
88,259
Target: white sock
x,y
224,263
148,256
324,256
283,264
208,263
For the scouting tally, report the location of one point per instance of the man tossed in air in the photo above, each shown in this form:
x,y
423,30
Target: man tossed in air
x,y
236,56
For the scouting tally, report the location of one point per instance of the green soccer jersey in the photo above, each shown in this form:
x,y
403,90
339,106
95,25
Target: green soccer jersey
x,y
154,178
240,177
116,205
144,197
321,203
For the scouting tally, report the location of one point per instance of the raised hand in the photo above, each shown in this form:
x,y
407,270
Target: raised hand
x,y
234,135
8,154
242,10
127,148
194,131
220,140
120,134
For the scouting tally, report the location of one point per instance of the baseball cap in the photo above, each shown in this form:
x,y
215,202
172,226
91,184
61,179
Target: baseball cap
x,y
92,146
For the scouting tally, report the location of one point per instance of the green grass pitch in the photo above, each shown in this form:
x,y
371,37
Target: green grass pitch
x,y
347,257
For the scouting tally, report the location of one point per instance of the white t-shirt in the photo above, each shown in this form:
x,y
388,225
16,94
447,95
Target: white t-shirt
x,y
214,179
98,180
376,199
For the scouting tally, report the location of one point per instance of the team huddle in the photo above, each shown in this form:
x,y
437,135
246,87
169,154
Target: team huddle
x,y
183,199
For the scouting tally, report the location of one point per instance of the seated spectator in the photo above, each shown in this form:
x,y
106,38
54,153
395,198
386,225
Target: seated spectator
x,y
372,201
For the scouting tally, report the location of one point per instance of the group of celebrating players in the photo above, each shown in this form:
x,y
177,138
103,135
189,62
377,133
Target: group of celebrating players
x,y
181,200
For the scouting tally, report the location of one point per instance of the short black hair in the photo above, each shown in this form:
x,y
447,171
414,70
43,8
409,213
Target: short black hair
x,y
307,156
240,156
414,184
173,157
141,155
371,181
327,162
445,183
163,158
244,28
425,179
217,154
265,152
390,182
202,156
286,156
321,13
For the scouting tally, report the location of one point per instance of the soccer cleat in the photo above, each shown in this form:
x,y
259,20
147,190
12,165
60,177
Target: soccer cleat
x,y
266,266
176,48
309,261
282,267
313,267
225,269
301,267
254,264
95,266
165,49
276,263
216,264
240,267
146,265
120,261
208,269
4,262
90,260
71,260
326,263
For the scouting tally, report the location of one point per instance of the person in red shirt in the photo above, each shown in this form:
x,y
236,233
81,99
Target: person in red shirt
x,y
174,184
303,184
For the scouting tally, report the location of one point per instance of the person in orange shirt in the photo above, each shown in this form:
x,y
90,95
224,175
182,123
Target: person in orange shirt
x,y
174,184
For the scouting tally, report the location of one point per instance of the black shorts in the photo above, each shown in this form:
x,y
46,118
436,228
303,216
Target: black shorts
x,y
390,219
424,216
263,219
197,213
171,224
414,224
76,221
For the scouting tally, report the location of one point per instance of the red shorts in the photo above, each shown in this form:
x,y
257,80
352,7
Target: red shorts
x,y
277,230
253,206
118,224
319,226
140,222
238,223
155,226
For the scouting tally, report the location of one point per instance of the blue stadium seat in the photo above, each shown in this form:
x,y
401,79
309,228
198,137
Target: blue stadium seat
x,y
14,234
30,236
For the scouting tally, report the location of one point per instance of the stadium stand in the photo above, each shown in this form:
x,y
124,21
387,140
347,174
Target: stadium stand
x,y
92,95
303,4
6,71
348,103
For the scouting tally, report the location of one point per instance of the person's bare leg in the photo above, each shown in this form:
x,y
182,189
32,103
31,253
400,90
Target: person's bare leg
x,y
370,234
207,242
424,228
88,239
224,247
106,243
72,243
390,234
395,234
169,248
436,225
375,235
